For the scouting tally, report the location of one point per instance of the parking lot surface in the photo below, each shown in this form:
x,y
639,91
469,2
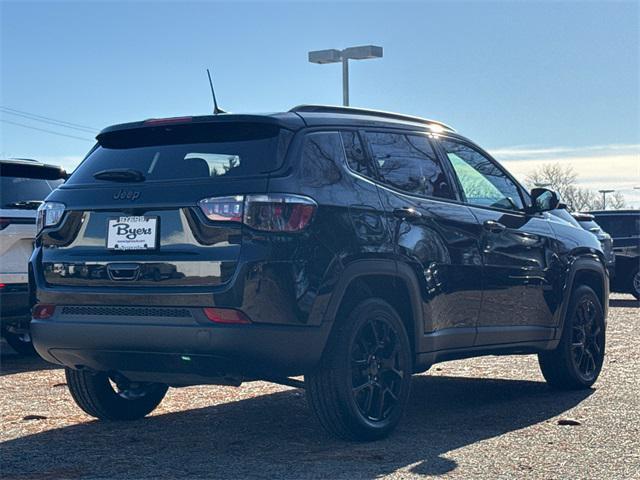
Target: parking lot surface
x,y
478,418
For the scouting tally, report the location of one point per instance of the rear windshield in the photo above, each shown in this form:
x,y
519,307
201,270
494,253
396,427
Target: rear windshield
x,y
25,193
209,151
621,225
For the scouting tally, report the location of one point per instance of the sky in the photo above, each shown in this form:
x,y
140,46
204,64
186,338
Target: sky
x,y
532,82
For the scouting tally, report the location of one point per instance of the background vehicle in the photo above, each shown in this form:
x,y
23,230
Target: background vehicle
x,y
624,228
353,247
587,221
24,184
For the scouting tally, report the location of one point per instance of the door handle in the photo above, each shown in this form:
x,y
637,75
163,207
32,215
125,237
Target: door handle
x,y
493,226
407,213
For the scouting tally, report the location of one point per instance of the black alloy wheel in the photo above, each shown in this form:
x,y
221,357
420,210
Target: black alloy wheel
x,y
587,339
377,369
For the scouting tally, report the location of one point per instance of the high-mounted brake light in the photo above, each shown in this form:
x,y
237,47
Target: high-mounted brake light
x,y
275,212
42,311
226,315
167,121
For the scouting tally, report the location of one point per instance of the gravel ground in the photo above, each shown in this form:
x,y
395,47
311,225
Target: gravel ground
x,y
486,417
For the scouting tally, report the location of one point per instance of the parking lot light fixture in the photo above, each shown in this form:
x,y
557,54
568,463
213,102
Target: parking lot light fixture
x,y
333,55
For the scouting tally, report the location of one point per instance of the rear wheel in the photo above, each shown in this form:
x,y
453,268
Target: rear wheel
x,y
113,397
360,389
20,342
577,361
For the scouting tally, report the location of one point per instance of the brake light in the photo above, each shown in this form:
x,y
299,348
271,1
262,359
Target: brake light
x,y
226,315
279,212
42,311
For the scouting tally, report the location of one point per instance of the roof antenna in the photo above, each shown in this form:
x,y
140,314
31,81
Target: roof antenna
x,y
216,110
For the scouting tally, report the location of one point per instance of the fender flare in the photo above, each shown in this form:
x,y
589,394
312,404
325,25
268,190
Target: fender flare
x,y
582,263
369,267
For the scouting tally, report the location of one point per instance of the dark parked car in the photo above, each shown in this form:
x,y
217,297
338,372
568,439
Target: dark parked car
x,y
624,228
24,184
587,221
353,247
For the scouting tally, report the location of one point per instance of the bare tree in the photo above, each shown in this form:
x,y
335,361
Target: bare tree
x,y
563,179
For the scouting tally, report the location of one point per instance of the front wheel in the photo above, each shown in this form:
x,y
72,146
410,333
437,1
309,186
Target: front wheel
x,y
578,358
113,397
361,387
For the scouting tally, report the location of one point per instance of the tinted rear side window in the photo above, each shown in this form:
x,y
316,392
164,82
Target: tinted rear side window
x,y
356,157
209,151
409,163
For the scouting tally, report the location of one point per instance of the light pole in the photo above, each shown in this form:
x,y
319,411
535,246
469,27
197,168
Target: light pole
x,y
336,56
604,197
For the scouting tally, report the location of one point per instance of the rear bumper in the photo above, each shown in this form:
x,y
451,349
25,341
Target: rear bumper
x,y
181,349
14,306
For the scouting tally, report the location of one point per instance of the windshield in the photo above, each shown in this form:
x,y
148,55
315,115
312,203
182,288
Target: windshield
x,y
19,192
187,152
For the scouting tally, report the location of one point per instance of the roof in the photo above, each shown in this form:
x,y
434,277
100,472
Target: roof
x,y
295,119
336,114
614,212
28,168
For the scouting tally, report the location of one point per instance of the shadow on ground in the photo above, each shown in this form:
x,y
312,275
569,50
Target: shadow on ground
x,y
11,362
276,436
623,302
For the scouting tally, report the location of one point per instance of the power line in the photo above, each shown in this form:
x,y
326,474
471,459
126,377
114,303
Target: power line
x,y
42,118
45,130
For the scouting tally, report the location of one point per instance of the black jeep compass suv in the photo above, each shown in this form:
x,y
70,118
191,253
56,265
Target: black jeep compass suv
x,y
350,246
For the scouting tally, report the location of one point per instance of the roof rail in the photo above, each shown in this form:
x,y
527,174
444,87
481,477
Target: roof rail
x,y
369,112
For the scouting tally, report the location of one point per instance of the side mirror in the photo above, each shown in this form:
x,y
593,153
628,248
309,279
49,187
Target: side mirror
x,y
543,200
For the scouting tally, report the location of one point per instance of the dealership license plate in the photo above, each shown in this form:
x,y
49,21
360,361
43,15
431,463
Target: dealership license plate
x,y
132,233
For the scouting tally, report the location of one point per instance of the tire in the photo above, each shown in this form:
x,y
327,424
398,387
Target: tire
x,y
21,343
361,387
577,361
634,283
94,393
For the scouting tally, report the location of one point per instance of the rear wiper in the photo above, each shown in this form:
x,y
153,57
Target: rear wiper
x,y
25,204
120,175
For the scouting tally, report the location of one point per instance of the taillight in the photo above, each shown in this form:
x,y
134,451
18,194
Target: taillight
x,y
221,209
49,214
226,315
275,212
42,311
279,212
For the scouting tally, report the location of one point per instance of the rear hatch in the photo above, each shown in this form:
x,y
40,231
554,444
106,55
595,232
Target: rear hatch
x,y
23,187
132,216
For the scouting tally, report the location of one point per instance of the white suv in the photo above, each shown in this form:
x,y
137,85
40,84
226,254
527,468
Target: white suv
x,y
24,184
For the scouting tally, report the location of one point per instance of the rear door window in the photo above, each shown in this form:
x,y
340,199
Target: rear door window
x,y
408,162
206,151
